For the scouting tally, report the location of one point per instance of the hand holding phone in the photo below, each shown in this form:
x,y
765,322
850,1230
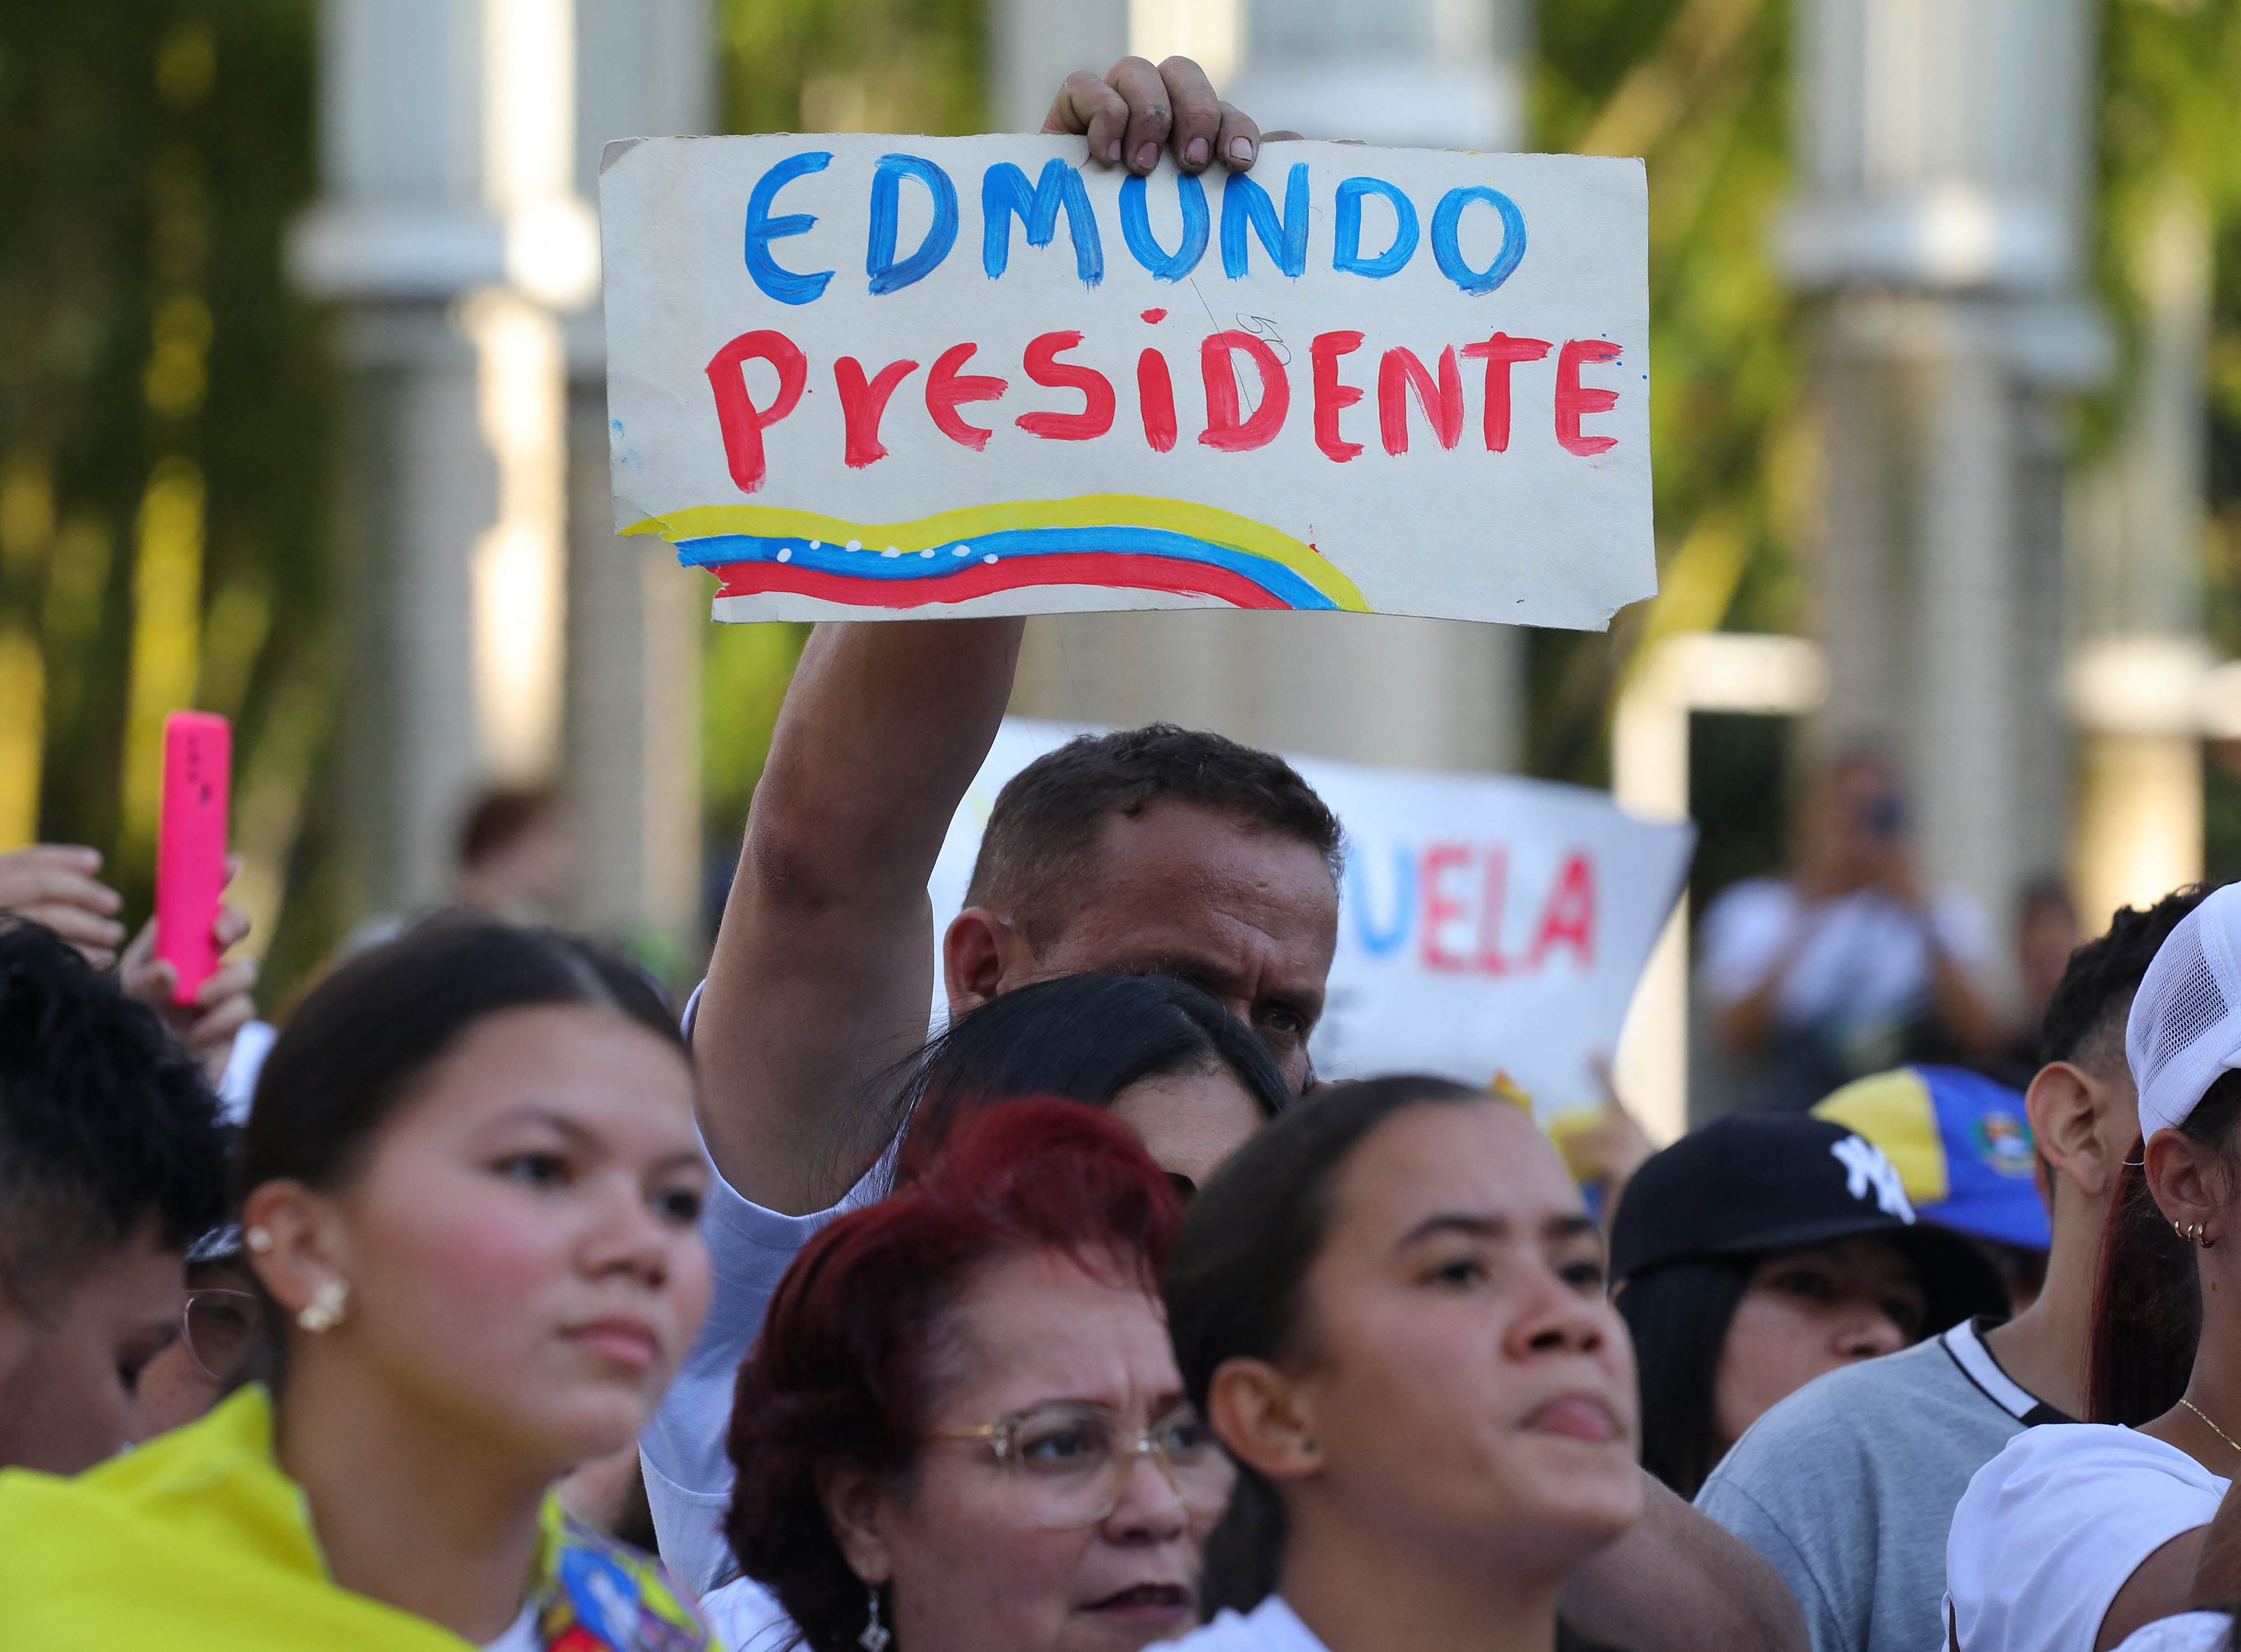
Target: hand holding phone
x,y
191,845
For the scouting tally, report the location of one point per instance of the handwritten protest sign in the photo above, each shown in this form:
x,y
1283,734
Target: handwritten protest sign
x,y
875,376
1487,923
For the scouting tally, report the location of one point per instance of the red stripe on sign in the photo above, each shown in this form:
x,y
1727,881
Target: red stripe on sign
x,y
1108,570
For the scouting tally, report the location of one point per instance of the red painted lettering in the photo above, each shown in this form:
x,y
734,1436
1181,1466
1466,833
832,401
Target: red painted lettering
x,y
737,416
1491,911
1398,371
1330,395
1569,917
1043,366
1224,429
945,389
1497,353
1440,908
1574,398
863,404
1155,395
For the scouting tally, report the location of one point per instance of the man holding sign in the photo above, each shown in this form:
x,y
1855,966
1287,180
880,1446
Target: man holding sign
x,y
1150,849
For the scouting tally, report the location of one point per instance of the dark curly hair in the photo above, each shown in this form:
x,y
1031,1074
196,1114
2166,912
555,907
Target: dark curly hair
x,y
1037,853
848,1368
2084,1019
105,1123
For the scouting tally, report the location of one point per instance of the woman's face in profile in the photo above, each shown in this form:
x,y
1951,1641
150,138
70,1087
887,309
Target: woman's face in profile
x,y
1464,1370
521,1245
974,1554
1805,1312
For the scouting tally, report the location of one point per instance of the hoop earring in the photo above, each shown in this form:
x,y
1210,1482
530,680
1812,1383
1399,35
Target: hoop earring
x,y
876,1634
330,1301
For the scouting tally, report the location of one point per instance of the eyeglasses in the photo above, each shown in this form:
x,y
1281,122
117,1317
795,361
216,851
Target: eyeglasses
x,y
221,1328
1073,1463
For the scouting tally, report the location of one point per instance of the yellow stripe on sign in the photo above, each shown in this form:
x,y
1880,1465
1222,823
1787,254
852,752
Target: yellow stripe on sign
x,y
1205,522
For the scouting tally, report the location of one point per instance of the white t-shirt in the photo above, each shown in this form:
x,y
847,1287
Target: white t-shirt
x,y
680,1451
1270,1626
2187,1632
688,1474
2051,1529
1865,959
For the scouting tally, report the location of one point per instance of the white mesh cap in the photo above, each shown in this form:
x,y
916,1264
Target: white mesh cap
x,y
2185,1025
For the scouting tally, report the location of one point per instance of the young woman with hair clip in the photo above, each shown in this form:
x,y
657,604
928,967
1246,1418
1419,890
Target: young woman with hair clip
x,y
1390,1306
472,1184
2079,1535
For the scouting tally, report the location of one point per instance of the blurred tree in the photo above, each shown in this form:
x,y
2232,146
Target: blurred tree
x,y
1699,89
817,66
2171,70
163,431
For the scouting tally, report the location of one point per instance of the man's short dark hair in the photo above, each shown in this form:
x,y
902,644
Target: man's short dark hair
x,y
1037,855
105,1123
2085,1020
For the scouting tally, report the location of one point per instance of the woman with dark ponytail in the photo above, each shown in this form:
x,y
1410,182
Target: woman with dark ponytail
x,y
2079,1535
1390,1306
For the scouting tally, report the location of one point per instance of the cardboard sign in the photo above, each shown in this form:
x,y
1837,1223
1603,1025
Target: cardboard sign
x,y
1487,924
874,377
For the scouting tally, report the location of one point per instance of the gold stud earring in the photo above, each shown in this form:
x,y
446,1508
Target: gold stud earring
x,y
325,1309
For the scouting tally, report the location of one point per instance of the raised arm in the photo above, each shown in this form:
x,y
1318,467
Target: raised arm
x,y
823,970
1678,1582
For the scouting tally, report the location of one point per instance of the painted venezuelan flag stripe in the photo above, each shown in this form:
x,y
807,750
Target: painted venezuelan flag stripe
x,y
1117,541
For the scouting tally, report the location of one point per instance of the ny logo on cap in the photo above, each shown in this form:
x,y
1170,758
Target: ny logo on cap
x,y
1865,1167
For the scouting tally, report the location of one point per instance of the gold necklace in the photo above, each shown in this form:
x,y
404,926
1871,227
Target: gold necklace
x,y
2214,1428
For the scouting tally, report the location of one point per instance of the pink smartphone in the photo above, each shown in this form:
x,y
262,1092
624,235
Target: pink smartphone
x,y
191,843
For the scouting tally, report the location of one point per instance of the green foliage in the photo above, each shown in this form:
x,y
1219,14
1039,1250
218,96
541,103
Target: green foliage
x,y
2172,73
852,65
155,151
1698,88
818,66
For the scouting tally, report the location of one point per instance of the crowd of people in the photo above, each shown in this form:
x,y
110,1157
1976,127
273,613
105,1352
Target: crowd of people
x,y
521,1309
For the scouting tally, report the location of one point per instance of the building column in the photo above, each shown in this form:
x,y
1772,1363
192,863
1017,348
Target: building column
x,y
637,619
2139,651
1945,155
448,231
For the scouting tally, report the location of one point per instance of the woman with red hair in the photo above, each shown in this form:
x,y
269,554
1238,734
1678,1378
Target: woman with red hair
x,y
963,1429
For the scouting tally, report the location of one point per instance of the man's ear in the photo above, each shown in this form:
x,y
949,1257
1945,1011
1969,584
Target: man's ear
x,y
979,952
1265,1419
2066,1104
855,1506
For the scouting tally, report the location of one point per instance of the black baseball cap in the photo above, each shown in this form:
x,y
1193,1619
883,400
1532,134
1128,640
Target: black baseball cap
x,y
1754,1183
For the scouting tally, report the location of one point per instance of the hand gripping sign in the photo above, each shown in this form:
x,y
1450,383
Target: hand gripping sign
x,y
876,376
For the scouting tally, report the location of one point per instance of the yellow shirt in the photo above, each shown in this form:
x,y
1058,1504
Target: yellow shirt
x,y
198,1541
